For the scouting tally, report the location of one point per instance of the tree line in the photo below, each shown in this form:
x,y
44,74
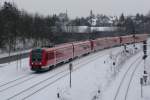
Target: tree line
x,y
19,28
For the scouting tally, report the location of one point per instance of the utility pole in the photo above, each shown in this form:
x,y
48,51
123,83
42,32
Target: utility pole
x,y
20,58
134,41
17,61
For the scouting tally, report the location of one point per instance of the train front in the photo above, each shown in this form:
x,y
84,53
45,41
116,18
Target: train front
x,y
37,60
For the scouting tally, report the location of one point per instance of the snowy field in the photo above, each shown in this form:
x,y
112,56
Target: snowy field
x,y
110,74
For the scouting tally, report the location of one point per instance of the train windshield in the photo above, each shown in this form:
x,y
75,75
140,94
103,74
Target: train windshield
x,y
36,55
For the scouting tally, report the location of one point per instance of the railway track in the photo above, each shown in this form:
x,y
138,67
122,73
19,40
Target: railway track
x,y
7,85
126,94
9,82
51,82
32,74
130,71
22,77
45,82
62,76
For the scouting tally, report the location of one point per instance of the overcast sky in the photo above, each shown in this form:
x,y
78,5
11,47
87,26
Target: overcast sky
x,y
83,7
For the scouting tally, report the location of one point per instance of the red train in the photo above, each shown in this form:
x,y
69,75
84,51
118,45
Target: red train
x,y
47,58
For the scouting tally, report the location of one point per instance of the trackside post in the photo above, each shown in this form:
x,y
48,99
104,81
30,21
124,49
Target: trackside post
x,y
144,58
145,50
58,95
70,69
141,82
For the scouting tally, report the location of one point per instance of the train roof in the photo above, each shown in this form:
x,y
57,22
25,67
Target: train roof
x,y
79,42
63,45
58,47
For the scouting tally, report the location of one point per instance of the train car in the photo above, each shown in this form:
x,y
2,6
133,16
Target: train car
x,y
127,39
140,37
45,58
38,59
116,41
112,41
81,48
64,52
98,44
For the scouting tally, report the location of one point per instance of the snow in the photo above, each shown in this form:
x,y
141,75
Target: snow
x,y
94,77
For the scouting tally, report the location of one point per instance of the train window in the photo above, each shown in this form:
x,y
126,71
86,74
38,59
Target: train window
x,y
37,55
51,55
85,47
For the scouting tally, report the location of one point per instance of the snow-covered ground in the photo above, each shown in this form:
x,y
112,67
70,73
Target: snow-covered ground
x,y
94,77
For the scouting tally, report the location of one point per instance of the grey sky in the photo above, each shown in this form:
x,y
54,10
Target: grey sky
x,y
83,7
